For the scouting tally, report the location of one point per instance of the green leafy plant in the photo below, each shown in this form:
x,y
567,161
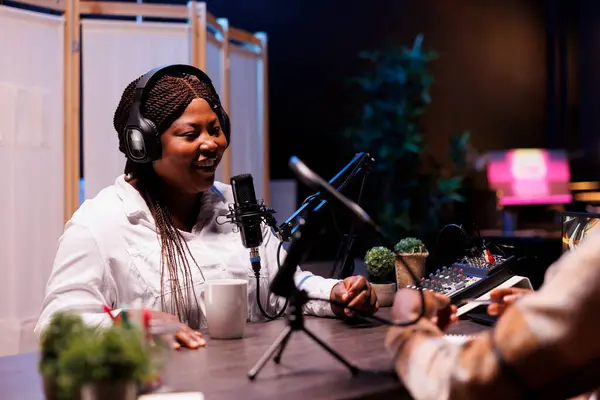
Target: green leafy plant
x,y
410,245
115,354
57,336
380,263
63,328
417,191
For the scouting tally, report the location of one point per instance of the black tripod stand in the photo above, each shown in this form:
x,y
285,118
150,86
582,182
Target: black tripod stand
x,y
295,322
283,285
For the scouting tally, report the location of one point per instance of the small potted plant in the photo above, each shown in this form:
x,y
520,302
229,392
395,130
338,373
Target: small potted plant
x,y
57,336
380,263
108,364
414,254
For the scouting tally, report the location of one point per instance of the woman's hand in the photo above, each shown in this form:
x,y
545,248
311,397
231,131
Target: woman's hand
x,y
355,292
407,306
185,336
506,296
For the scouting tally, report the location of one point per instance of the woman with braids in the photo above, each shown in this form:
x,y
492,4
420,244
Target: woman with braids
x,y
152,238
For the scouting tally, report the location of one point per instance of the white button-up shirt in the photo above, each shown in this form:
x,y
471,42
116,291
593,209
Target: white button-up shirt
x,y
109,254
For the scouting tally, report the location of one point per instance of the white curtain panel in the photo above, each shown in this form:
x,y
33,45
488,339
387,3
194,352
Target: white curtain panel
x,y
31,166
114,53
216,70
246,136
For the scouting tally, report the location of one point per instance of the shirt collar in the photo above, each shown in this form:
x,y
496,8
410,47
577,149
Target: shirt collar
x,y
135,206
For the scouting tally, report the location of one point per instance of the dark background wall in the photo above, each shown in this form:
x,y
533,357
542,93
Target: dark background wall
x,y
515,73
490,77
587,30
493,76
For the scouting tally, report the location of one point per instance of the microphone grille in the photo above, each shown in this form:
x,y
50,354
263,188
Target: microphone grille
x,y
243,188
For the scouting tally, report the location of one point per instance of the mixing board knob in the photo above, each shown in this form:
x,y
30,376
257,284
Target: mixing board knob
x,y
489,256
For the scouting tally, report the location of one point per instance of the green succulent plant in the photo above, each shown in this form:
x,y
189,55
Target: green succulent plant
x,y
380,263
63,328
56,338
410,245
114,354
74,354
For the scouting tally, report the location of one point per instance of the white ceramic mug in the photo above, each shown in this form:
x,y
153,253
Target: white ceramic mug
x,y
224,302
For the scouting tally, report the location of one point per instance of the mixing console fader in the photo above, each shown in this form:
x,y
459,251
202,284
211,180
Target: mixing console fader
x,y
469,277
481,265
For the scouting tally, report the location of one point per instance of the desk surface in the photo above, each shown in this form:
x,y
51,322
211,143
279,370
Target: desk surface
x,y
220,369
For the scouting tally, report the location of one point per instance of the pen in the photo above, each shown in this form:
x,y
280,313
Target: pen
x,y
109,310
481,301
125,318
489,301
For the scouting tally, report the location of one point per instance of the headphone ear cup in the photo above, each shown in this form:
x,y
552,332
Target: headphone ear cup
x,y
135,147
142,142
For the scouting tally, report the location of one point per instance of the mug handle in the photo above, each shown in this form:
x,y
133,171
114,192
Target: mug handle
x,y
201,302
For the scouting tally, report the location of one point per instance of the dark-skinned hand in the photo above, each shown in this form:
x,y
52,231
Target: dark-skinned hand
x,y
355,292
184,336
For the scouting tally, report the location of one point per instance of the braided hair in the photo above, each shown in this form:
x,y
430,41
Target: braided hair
x,y
164,103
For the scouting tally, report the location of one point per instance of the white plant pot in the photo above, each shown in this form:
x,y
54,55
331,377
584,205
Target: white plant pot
x,y
110,391
385,293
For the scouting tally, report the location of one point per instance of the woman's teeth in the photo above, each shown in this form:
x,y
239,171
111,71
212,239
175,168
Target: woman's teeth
x,y
205,164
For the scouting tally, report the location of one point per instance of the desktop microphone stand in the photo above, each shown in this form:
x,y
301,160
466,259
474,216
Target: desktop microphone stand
x,y
295,323
283,285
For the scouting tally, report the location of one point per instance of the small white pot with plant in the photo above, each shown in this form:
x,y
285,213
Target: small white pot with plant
x,y
380,262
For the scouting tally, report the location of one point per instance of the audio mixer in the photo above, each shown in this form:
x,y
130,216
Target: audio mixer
x,y
469,277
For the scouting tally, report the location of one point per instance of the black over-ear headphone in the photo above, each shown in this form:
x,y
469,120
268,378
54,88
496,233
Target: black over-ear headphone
x,y
142,141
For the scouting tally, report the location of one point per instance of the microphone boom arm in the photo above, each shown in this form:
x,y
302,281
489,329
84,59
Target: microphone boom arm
x,y
361,161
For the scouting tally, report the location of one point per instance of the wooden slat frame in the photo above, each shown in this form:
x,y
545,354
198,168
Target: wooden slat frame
x,y
243,36
71,99
72,105
56,5
194,23
213,39
134,9
199,19
212,21
225,98
263,100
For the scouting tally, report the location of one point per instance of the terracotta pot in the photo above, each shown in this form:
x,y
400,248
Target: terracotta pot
x,y
416,263
109,390
385,293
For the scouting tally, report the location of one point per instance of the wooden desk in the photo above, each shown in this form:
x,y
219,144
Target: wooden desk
x,y
220,370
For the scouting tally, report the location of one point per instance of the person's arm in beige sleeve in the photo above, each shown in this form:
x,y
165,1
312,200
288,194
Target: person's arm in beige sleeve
x,y
545,346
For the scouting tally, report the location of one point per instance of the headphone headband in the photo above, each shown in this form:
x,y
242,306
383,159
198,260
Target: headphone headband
x,y
150,78
142,143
